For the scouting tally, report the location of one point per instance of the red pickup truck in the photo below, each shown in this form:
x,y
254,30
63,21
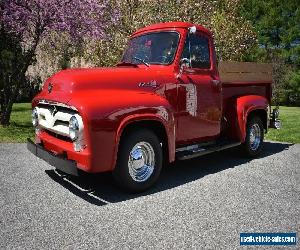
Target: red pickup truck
x,y
167,99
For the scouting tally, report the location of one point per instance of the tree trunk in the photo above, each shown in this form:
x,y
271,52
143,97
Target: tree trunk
x,y
5,114
12,88
10,95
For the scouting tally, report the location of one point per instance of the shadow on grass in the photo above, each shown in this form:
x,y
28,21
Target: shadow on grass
x,y
99,190
22,108
24,125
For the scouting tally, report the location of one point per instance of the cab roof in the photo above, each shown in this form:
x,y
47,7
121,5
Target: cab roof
x,y
171,25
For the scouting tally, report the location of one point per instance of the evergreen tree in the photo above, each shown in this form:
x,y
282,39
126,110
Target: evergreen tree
x,y
277,24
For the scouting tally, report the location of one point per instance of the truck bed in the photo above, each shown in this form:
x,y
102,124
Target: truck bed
x,y
245,78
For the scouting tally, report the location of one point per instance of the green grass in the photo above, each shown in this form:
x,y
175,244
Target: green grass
x,y
290,126
21,128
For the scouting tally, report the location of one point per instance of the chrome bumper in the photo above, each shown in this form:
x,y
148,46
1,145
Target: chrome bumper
x,y
275,122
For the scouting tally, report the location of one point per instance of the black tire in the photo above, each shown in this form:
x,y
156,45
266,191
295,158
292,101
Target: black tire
x,y
253,148
121,172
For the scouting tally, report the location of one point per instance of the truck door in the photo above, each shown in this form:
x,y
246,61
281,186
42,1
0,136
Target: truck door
x,y
199,96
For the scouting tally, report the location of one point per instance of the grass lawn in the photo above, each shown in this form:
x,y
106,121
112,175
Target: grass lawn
x,y
290,126
21,128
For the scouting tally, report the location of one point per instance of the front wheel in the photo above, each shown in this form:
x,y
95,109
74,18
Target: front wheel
x,y
139,161
253,144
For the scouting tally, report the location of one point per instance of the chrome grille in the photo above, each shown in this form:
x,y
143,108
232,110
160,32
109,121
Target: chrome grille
x,y
54,117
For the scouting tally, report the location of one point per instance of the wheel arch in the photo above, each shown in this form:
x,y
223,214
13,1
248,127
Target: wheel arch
x,y
262,114
247,107
163,130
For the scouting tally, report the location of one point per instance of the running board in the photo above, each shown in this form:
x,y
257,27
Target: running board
x,y
193,151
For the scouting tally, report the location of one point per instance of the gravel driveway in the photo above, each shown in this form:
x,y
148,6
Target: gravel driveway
x,y
202,203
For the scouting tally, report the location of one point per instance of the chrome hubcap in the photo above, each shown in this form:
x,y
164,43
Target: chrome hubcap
x,y
141,162
255,136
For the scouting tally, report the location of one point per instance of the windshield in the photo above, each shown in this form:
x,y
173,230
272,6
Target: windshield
x,y
152,48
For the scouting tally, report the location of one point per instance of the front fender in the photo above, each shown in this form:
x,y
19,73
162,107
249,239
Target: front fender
x,y
245,105
106,117
163,116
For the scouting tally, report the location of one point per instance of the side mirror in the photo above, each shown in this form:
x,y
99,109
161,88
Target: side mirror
x,y
183,64
192,30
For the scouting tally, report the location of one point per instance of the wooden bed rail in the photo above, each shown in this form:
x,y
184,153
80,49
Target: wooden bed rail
x,y
245,71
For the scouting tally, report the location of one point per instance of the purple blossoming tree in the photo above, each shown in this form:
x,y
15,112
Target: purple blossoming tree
x,y
25,23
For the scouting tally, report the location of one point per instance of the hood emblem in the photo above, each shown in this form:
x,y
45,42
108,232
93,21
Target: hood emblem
x,y
53,110
50,87
151,84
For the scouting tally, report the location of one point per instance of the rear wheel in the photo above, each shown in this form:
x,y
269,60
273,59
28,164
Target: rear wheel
x,y
253,144
139,161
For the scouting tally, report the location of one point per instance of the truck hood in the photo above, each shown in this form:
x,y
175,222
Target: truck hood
x,y
66,84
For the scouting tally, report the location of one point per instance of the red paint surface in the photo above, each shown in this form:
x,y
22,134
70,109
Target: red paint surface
x,y
108,99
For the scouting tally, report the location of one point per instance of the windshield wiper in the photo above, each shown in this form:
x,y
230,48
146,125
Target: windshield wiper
x,y
141,60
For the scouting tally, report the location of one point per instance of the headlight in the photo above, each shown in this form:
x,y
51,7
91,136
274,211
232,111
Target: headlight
x,y
35,117
73,128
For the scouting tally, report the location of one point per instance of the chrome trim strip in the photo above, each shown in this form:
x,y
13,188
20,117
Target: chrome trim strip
x,y
59,104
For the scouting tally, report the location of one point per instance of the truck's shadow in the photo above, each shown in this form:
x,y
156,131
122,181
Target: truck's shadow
x,y
99,189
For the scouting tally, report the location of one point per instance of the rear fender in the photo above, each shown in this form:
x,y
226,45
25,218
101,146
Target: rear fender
x,y
245,105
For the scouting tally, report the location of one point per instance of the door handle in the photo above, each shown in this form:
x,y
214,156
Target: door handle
x,y
216,83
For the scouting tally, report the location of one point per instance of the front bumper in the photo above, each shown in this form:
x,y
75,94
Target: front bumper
x,y
275,122
65,165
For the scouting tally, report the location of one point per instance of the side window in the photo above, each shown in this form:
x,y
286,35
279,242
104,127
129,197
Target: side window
x,y
200,56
